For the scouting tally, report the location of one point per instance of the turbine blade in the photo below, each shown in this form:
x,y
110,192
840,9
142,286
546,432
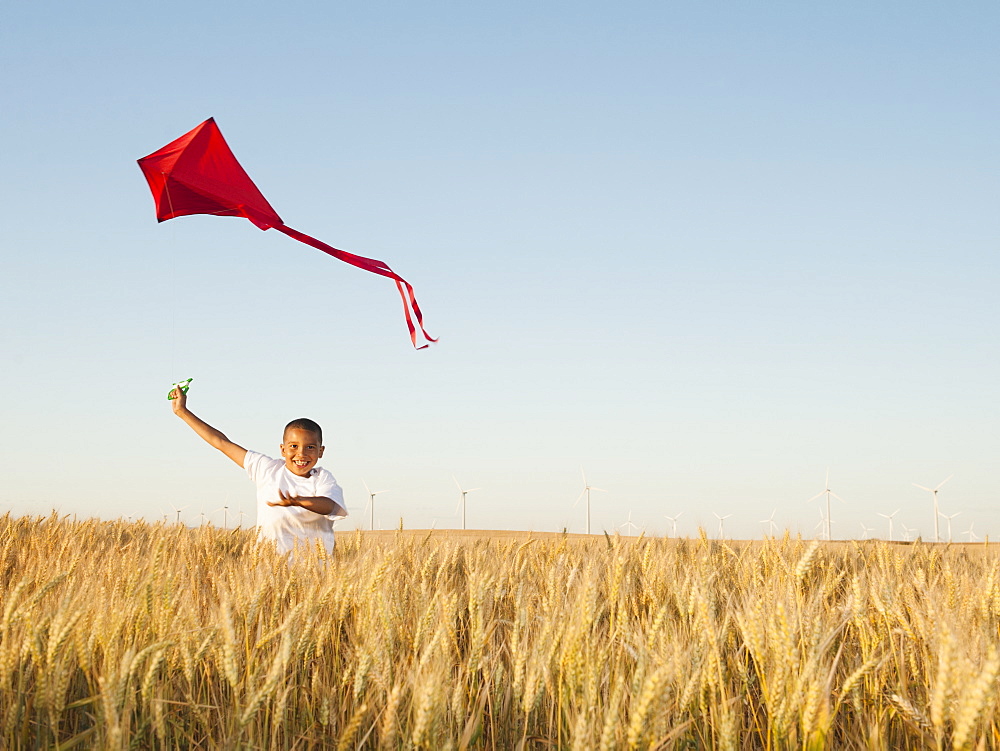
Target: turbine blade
x,y
943,482
929,490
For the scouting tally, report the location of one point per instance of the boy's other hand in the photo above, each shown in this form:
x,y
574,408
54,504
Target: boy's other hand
x,y
179,400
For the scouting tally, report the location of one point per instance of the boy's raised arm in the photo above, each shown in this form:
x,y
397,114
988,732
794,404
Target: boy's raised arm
x,y
213,437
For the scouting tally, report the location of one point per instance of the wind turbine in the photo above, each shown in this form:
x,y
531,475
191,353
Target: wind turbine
x,y
889,517
972,535
770,522
866,531
371,502
464,493
908,533
587,487
721,519
673,523
934,492
820,527
224,508
828,493
628,523
949,518
178,510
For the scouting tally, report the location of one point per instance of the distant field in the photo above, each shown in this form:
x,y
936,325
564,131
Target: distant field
x,y
128,635
500,535
467,535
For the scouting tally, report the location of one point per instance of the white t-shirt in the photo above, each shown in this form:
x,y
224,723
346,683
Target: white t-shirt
x,y
288,524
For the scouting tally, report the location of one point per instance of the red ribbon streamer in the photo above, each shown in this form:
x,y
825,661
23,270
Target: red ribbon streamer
x,y
376,267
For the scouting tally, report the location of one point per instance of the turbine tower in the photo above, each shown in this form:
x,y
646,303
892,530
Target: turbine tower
x,y
178,510
587,487
934,492
889,517
828,493
628,524
721,519
224,508
949,518
371,503
464,493
225,515
769,521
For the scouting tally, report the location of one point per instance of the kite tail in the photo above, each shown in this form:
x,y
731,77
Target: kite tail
x,y
375,267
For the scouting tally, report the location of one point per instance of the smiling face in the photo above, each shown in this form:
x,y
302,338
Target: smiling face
x,y
301,451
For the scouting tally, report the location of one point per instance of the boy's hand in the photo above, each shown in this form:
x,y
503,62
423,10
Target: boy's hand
x,y
178,400
287,499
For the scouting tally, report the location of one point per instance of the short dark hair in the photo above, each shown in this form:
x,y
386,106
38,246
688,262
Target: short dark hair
x,y
304,423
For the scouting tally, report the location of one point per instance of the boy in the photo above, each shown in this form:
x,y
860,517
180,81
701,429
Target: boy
x,y
296,500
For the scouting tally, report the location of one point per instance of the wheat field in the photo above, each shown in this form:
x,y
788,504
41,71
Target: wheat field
x,y
120,635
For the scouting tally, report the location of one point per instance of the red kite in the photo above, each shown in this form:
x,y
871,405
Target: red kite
x,y
198,174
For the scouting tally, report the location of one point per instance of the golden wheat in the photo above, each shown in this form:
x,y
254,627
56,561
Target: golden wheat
x,y
131,635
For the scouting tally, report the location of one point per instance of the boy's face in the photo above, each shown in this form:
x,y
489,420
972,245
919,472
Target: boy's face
x,y
301,451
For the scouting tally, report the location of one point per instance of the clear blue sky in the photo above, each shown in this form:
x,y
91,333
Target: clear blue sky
x,y
705,250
